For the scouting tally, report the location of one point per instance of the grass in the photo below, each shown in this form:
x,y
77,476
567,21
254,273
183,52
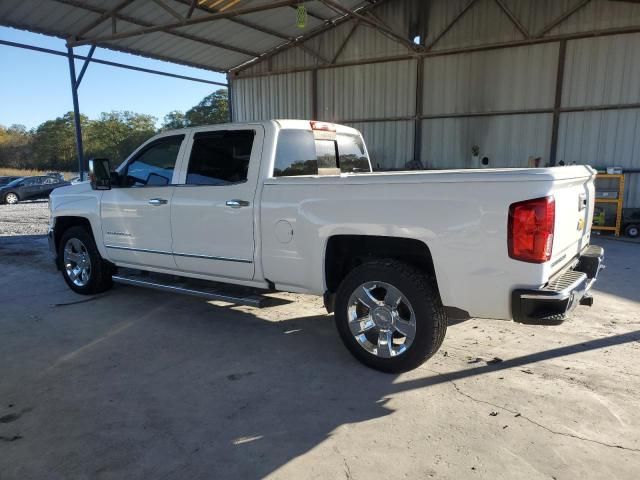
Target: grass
x,y
28,172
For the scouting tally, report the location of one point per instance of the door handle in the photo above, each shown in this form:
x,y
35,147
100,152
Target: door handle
x,y
237,203
158,201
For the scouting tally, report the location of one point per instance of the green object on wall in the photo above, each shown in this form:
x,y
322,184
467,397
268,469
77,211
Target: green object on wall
x,y
301,16
598,217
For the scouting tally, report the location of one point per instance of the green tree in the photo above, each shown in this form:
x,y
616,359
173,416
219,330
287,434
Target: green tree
x,y
54,143
116,134
15,146
213,108
174,120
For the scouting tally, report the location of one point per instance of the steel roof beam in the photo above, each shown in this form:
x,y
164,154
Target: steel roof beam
x,y
85,65
192,7
112,64
169,27
562,18
460,14
344,43
372,22
135,21
513,19
260,28
102,18
168,9
299,41
239,21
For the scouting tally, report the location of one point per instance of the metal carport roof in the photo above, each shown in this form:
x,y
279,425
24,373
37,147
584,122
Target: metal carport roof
x,y
217,35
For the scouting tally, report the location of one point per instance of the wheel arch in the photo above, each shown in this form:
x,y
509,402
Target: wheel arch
x,y
345,252
64,222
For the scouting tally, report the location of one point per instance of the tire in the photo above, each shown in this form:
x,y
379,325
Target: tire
x,y
82,252
416,325
11,198
632,231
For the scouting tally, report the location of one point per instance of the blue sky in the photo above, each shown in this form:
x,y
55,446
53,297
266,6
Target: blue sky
x,y
35,86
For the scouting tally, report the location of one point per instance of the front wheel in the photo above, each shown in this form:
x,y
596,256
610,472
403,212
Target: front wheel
x,y
389,315
82,267
11,198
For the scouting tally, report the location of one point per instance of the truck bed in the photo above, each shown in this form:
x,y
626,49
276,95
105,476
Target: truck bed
x,y
459,214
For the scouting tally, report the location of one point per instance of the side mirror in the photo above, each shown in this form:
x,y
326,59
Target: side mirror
x,y
99,174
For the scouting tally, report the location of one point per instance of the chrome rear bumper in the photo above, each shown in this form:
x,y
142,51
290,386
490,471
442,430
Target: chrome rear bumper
x,y
562,294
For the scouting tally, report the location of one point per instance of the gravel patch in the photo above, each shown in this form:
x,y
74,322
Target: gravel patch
x,y
27,218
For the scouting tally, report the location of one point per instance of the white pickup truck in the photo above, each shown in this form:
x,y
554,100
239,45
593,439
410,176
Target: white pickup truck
x,y
293,205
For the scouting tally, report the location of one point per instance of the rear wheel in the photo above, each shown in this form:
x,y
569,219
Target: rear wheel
x,y
389,315
11,198
82,267
632,231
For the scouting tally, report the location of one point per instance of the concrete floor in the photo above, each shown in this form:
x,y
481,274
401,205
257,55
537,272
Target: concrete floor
x,y
140,384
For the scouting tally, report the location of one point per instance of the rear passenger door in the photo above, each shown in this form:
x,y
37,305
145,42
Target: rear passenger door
x,y
212,212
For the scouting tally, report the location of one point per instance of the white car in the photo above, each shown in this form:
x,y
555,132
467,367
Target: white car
x,y
293,205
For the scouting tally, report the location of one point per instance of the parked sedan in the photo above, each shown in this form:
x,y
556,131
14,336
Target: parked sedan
x,y
5,180
29,188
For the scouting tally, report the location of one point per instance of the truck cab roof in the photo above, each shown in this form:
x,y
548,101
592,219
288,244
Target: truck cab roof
x,y
281,124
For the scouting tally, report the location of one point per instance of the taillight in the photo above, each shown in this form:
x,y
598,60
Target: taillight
x,y
531,225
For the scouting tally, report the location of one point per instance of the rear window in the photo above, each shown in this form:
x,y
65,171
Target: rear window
x,y
299,153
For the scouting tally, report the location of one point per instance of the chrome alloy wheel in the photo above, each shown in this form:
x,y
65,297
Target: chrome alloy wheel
x,y
381,319
11,198
77,263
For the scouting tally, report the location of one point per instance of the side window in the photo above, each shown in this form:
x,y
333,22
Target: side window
x,y
154,165
29,182
295,154
50,181
353,157
220,157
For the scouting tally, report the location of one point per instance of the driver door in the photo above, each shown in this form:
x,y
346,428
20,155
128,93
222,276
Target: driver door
x,y
30,188
136,223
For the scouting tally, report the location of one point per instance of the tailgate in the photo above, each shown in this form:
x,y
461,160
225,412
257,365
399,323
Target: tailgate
x,y
574,199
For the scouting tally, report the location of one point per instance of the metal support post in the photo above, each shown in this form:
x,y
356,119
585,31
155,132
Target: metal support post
x,y
76,112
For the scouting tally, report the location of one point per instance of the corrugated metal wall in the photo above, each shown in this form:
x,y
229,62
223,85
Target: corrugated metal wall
x,y
504,80
362,91
390,144
275,96
603,71
501,99
492,80
507,140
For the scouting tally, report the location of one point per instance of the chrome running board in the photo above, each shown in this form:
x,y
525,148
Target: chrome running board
x,y
186,286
